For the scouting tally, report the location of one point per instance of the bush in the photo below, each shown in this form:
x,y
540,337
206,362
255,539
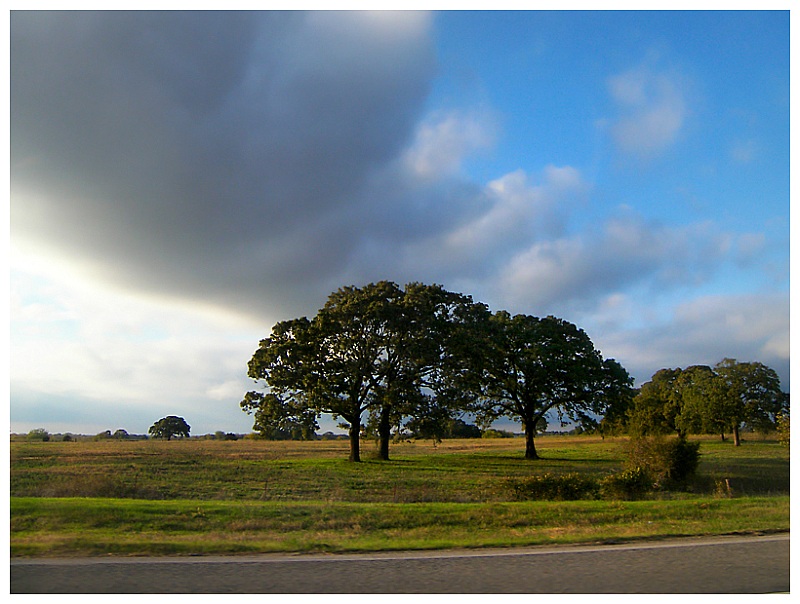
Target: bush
x,y
782,422
668,462
630,484
556,487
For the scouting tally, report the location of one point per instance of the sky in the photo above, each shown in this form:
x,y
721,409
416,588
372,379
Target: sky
x,y
180,182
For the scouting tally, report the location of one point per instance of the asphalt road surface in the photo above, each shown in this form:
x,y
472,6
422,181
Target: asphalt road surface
x,y
718,565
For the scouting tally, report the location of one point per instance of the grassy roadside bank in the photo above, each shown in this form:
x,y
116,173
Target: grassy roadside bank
x,y
81,526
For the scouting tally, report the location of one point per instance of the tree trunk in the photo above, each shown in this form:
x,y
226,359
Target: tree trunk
x,y
384,433
355,435
736,441
722,436
530,432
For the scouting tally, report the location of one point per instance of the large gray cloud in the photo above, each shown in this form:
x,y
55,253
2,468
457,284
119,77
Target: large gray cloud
x,y
258,161
219,155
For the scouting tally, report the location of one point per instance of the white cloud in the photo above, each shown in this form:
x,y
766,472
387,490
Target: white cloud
x,y
652,110
107,356
704,330
442,142
520,210
625,251
505,216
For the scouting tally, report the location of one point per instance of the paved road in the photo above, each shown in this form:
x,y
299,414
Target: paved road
x,y
719,565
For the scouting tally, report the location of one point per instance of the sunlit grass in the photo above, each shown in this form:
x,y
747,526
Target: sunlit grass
x,y
180,497
455,471
101,526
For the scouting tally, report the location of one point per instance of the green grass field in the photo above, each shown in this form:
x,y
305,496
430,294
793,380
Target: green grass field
x,y
204,496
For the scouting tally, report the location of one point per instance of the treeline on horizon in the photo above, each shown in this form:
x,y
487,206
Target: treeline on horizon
x,y
456,428
416,359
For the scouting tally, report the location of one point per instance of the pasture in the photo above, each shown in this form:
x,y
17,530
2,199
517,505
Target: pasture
x,y
249,496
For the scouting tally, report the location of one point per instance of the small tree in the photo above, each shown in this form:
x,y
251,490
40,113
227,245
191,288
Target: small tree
x,y
783,428
39,434
170,426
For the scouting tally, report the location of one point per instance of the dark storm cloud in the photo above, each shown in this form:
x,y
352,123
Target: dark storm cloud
x,y
214,155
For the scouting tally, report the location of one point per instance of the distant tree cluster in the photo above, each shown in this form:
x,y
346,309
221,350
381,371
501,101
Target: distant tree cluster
x,y
417,358
704,400
168,427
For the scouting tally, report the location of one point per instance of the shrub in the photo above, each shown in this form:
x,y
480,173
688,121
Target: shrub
x,y
782,422
630,484
557,487
667,462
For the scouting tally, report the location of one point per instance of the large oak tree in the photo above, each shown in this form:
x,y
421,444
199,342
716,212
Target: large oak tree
x,y
377,349
531,366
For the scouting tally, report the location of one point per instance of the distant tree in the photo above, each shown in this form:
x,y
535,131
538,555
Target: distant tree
x,y
656,407
531,366
39,434
700,399
170,426
746,393
667,403
121,434
458,428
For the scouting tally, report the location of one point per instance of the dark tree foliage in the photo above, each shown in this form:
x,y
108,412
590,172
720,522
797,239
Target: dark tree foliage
x,y
170,426
618,391
531,366
276,419
377,349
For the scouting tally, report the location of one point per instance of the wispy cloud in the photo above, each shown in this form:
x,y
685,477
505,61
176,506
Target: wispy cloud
x,y
652,110
626,251
744,152
443,141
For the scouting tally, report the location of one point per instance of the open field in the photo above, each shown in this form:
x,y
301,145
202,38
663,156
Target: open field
x,y
203,496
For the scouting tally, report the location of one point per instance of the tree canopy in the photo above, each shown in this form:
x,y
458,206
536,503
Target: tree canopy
x,y
170,426
416,359
701,399
533,365
377,349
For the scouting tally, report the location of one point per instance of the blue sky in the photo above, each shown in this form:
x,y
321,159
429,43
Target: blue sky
x,y
215,173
